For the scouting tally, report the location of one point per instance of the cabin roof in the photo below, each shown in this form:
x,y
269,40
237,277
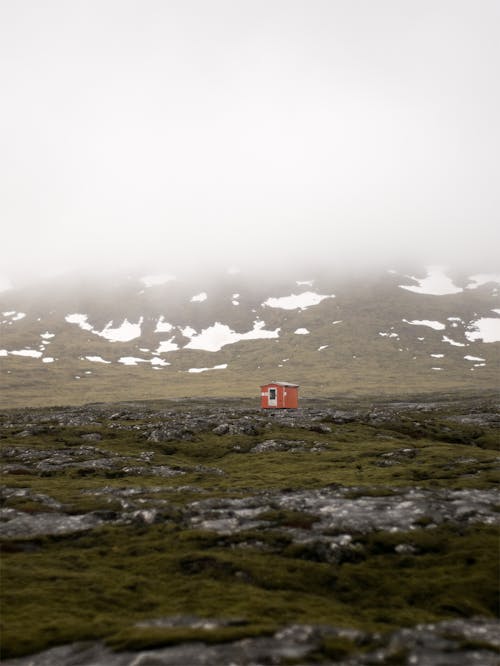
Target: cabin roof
x,y
280,384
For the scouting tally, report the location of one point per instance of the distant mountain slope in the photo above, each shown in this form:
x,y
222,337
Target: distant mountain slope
x,y
157,336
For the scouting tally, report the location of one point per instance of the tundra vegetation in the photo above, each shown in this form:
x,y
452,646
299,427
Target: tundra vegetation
x,y
320,535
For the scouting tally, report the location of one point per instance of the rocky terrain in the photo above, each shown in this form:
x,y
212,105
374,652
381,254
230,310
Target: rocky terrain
x,y
210,532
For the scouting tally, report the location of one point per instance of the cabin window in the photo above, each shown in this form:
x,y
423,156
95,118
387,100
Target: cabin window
x,y
272,394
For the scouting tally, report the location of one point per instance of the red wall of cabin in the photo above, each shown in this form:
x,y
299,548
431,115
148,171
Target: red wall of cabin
x,y
292,397
288,401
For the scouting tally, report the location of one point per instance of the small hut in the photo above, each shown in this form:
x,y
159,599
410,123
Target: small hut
x,y
279,395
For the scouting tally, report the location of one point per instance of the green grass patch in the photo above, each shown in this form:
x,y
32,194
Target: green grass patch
x,y
101,584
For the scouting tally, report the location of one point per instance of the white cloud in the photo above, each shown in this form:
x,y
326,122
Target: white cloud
x,y
480,279
358,143
156,280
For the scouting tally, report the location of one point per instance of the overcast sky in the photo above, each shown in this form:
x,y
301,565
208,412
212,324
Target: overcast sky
x,y
177,132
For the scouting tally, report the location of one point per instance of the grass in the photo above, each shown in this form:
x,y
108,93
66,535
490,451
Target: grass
x,y
101,584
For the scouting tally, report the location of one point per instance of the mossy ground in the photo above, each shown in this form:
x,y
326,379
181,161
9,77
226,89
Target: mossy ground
x,y
100,584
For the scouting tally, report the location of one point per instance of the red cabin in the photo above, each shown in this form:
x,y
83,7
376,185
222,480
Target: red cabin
x,y
279,395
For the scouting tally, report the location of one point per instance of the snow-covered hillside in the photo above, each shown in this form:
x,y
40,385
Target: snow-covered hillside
x,y
329,332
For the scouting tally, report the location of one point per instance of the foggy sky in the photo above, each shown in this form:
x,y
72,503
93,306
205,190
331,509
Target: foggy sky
x,y
168,133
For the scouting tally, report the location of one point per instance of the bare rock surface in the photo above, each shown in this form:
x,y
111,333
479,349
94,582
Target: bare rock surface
x,y
19,524
335,510
439,644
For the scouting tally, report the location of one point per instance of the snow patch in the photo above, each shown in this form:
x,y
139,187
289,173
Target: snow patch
x,y
159,361
436,283
96,359
14,316
486,329
188,331
437,355
474,358
166,346
124,333
304,283
199,298
4,352
222,366
131,360
80,320
27,352
163,326
296,301
436,368
452,342
301,331
48,359
218,335
47,335
436,325
322,347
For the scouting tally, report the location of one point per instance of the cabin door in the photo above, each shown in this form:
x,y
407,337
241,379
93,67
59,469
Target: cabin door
x,y
273,397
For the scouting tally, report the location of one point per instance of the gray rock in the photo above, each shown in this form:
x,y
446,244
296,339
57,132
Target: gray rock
x,y
221,429
337,512
18,524
92,437
170,435
424,645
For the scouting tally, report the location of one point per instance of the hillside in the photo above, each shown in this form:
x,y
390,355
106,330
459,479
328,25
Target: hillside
x,y
74,340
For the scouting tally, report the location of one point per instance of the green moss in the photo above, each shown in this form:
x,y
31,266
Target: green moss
x,y
124,575
100,584
298,519
136,638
